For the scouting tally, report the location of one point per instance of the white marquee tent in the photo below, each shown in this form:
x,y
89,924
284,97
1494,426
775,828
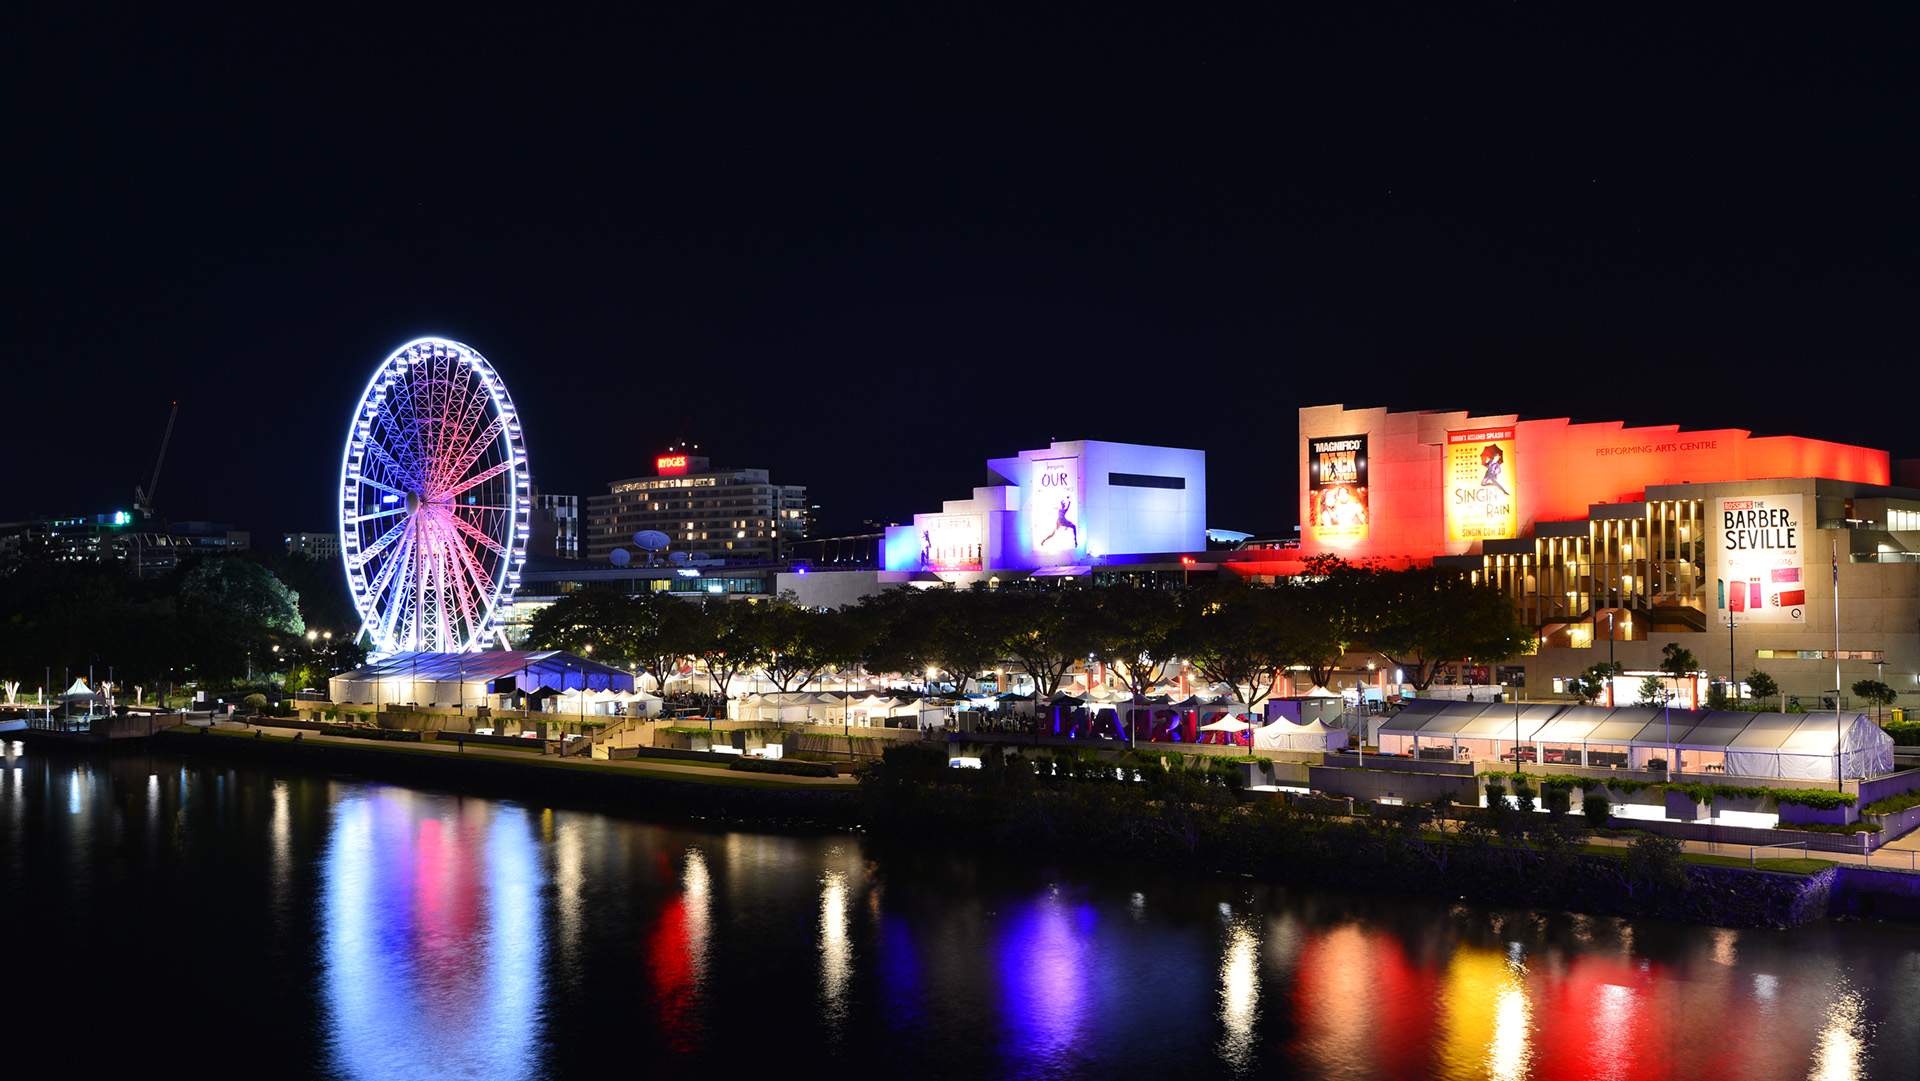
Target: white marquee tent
x,y
1797,746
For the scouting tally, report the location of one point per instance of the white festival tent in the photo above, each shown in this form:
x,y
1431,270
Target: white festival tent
x,y
1228,724
1793,746
1284,735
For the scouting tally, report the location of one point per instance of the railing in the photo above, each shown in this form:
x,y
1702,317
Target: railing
x,y
1753,851
1891,859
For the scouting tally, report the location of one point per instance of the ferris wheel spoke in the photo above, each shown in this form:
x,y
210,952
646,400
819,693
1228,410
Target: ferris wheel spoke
x,y
384,458
471,454
383,486
482,581
386,540
381,581
479,536
479,478
388,513
464,597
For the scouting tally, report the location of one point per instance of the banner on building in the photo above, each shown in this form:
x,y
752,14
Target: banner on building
x,y
1762,574
952,542
1337,487
1482,501
1054,508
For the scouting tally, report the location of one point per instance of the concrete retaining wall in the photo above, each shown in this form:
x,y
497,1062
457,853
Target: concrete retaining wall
x,y
1372,784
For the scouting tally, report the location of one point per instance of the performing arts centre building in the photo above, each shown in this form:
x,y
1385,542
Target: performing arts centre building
x,y
1614,541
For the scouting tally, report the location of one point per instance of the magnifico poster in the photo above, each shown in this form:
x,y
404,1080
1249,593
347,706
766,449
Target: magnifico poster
x,y
1337,487
952,542
1054,507
1481,503
1762,577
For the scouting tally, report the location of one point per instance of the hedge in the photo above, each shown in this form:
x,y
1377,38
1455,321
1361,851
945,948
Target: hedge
x,y
781,765
1701,793
1904,733
1892,804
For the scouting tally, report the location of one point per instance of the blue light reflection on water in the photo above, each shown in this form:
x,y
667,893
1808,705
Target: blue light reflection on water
x,y
432,939
348,930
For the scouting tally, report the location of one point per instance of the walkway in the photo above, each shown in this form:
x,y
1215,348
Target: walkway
x,y
681,770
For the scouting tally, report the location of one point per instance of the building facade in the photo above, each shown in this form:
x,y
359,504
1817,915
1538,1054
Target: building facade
x,y
725,515
1061,511
319,546
148,547
559,515
1614,542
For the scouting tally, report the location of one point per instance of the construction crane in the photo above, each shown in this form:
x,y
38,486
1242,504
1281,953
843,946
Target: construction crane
x,y
143,497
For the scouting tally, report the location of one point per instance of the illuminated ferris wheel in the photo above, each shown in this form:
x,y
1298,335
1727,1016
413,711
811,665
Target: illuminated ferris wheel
x,y
435,501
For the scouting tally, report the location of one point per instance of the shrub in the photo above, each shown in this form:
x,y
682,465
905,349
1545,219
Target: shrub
x,y
254,701
1496,793
1557,799
1818,799
781,765
1892,804
1655,863
1596,810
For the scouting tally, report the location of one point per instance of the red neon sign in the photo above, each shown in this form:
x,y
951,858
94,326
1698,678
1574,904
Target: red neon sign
x,y
670,465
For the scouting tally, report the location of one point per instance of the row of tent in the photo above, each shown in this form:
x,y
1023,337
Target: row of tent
x,y
1806,746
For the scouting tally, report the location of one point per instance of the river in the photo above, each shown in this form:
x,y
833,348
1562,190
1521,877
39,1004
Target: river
x,y
160,913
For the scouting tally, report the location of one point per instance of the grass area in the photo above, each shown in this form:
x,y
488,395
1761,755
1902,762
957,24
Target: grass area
x,y
1785,865
628,768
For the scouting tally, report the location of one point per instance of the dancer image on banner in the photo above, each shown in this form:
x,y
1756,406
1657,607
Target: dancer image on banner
x,y
1062,522
926,547
1493,459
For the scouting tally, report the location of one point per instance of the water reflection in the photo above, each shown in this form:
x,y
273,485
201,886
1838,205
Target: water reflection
x,y
1841,1051
1045,964
1239,993
836,951
469,938
432,940
677,954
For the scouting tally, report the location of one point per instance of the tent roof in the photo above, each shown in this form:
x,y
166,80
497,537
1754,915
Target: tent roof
x,y
540,668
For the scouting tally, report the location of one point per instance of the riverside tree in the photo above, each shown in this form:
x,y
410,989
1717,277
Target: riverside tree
x,y
1423,619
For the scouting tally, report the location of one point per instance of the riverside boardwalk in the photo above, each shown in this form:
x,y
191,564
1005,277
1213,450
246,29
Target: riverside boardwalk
x,y
532,756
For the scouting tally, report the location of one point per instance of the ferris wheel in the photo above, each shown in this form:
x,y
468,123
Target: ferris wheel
x,y
435,501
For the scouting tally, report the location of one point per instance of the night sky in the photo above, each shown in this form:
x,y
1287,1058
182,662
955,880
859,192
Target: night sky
x,y
870,251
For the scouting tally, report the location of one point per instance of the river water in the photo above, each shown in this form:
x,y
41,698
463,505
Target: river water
x,y
158,913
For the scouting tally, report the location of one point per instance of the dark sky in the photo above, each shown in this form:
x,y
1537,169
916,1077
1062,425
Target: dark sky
x,y
871,251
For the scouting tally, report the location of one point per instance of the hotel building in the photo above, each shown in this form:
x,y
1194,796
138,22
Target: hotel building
x,y
725,515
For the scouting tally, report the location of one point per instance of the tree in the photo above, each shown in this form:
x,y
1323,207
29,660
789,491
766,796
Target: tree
x,y
1653,691
966,632
232,612
797,643
1136,633
1677,663
1325,611
1048,632
1875,692
1423,619
1592,683
596,618
1240,635
1762,685
727,642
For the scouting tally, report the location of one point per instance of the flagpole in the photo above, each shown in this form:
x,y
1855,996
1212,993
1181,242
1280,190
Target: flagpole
x,y
1839,734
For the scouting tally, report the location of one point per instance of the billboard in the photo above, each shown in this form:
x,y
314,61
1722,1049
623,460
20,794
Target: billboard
x,y
952,542
1762,575
1337,487
1054,507
1478,476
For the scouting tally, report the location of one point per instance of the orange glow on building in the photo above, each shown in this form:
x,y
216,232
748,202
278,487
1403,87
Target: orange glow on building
x,y
1558,469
